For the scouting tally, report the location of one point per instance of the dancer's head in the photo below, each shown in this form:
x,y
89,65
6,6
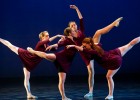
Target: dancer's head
x,y
88,43
69,32
73,25
44,35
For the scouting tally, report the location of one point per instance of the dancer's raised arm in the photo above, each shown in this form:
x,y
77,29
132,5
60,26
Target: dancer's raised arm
x,y
77,10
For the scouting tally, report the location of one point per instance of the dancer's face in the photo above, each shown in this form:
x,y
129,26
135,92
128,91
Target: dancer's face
x,y
46,36
73,25
87,46
73,33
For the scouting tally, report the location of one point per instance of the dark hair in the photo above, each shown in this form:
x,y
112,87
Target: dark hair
x,y
67,31
89,40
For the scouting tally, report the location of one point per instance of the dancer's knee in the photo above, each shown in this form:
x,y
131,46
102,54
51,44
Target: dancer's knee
x,y
109,77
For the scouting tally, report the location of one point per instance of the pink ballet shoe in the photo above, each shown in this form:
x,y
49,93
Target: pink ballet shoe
x,y
117,21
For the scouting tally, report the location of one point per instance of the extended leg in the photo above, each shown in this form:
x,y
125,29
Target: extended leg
x,y
98,33
50,57
9,45
124,49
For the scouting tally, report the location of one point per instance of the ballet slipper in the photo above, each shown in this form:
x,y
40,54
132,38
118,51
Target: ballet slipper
x,y
66,98
109,97
31,97
117,21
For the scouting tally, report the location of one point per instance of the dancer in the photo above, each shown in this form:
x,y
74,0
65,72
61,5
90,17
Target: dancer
x,y
110,60
78,40
61,59
30,61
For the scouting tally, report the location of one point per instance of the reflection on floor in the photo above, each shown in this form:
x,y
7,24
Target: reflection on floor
x,y
76,87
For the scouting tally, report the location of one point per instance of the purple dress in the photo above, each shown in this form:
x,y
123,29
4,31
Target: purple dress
x,y
111,60
79,40
30,61
65,57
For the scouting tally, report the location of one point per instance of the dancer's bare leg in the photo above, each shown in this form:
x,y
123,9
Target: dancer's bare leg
x,y
110,81
50,56
124,49
9,45
62,78
27,84
26,72
91,73
98,33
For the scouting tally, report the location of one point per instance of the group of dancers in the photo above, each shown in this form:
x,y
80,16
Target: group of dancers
x,y
74,40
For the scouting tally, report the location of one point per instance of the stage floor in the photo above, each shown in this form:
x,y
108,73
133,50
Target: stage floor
x,y
46,88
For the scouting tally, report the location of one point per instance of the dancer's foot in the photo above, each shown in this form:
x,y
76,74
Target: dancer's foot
x,y
117,21
30,49
88,96
135,41
109,97
31,97
66,98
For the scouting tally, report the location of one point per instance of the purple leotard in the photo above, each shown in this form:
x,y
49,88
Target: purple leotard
x,y
110,60
65,57
79,40
30,61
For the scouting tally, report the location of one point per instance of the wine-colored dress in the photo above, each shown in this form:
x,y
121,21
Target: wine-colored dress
x,y
110,60
79,40
29,60
65,57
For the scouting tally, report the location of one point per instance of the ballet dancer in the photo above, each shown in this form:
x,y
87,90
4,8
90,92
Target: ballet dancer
x,y
110,60
62,59
78,40
30,61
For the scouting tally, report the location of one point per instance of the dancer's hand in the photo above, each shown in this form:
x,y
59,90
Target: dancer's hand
x,y
51,47
62,39
48,48
70,46
73,7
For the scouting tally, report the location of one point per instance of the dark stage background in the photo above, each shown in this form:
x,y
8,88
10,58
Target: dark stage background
x,y
22,20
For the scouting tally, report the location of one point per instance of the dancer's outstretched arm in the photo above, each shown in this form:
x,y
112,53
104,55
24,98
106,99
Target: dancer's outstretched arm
x,y
79,48
54,37
98,33
77,10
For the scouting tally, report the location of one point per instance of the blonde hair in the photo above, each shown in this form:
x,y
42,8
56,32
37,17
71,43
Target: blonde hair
x,y
41,34
70,23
